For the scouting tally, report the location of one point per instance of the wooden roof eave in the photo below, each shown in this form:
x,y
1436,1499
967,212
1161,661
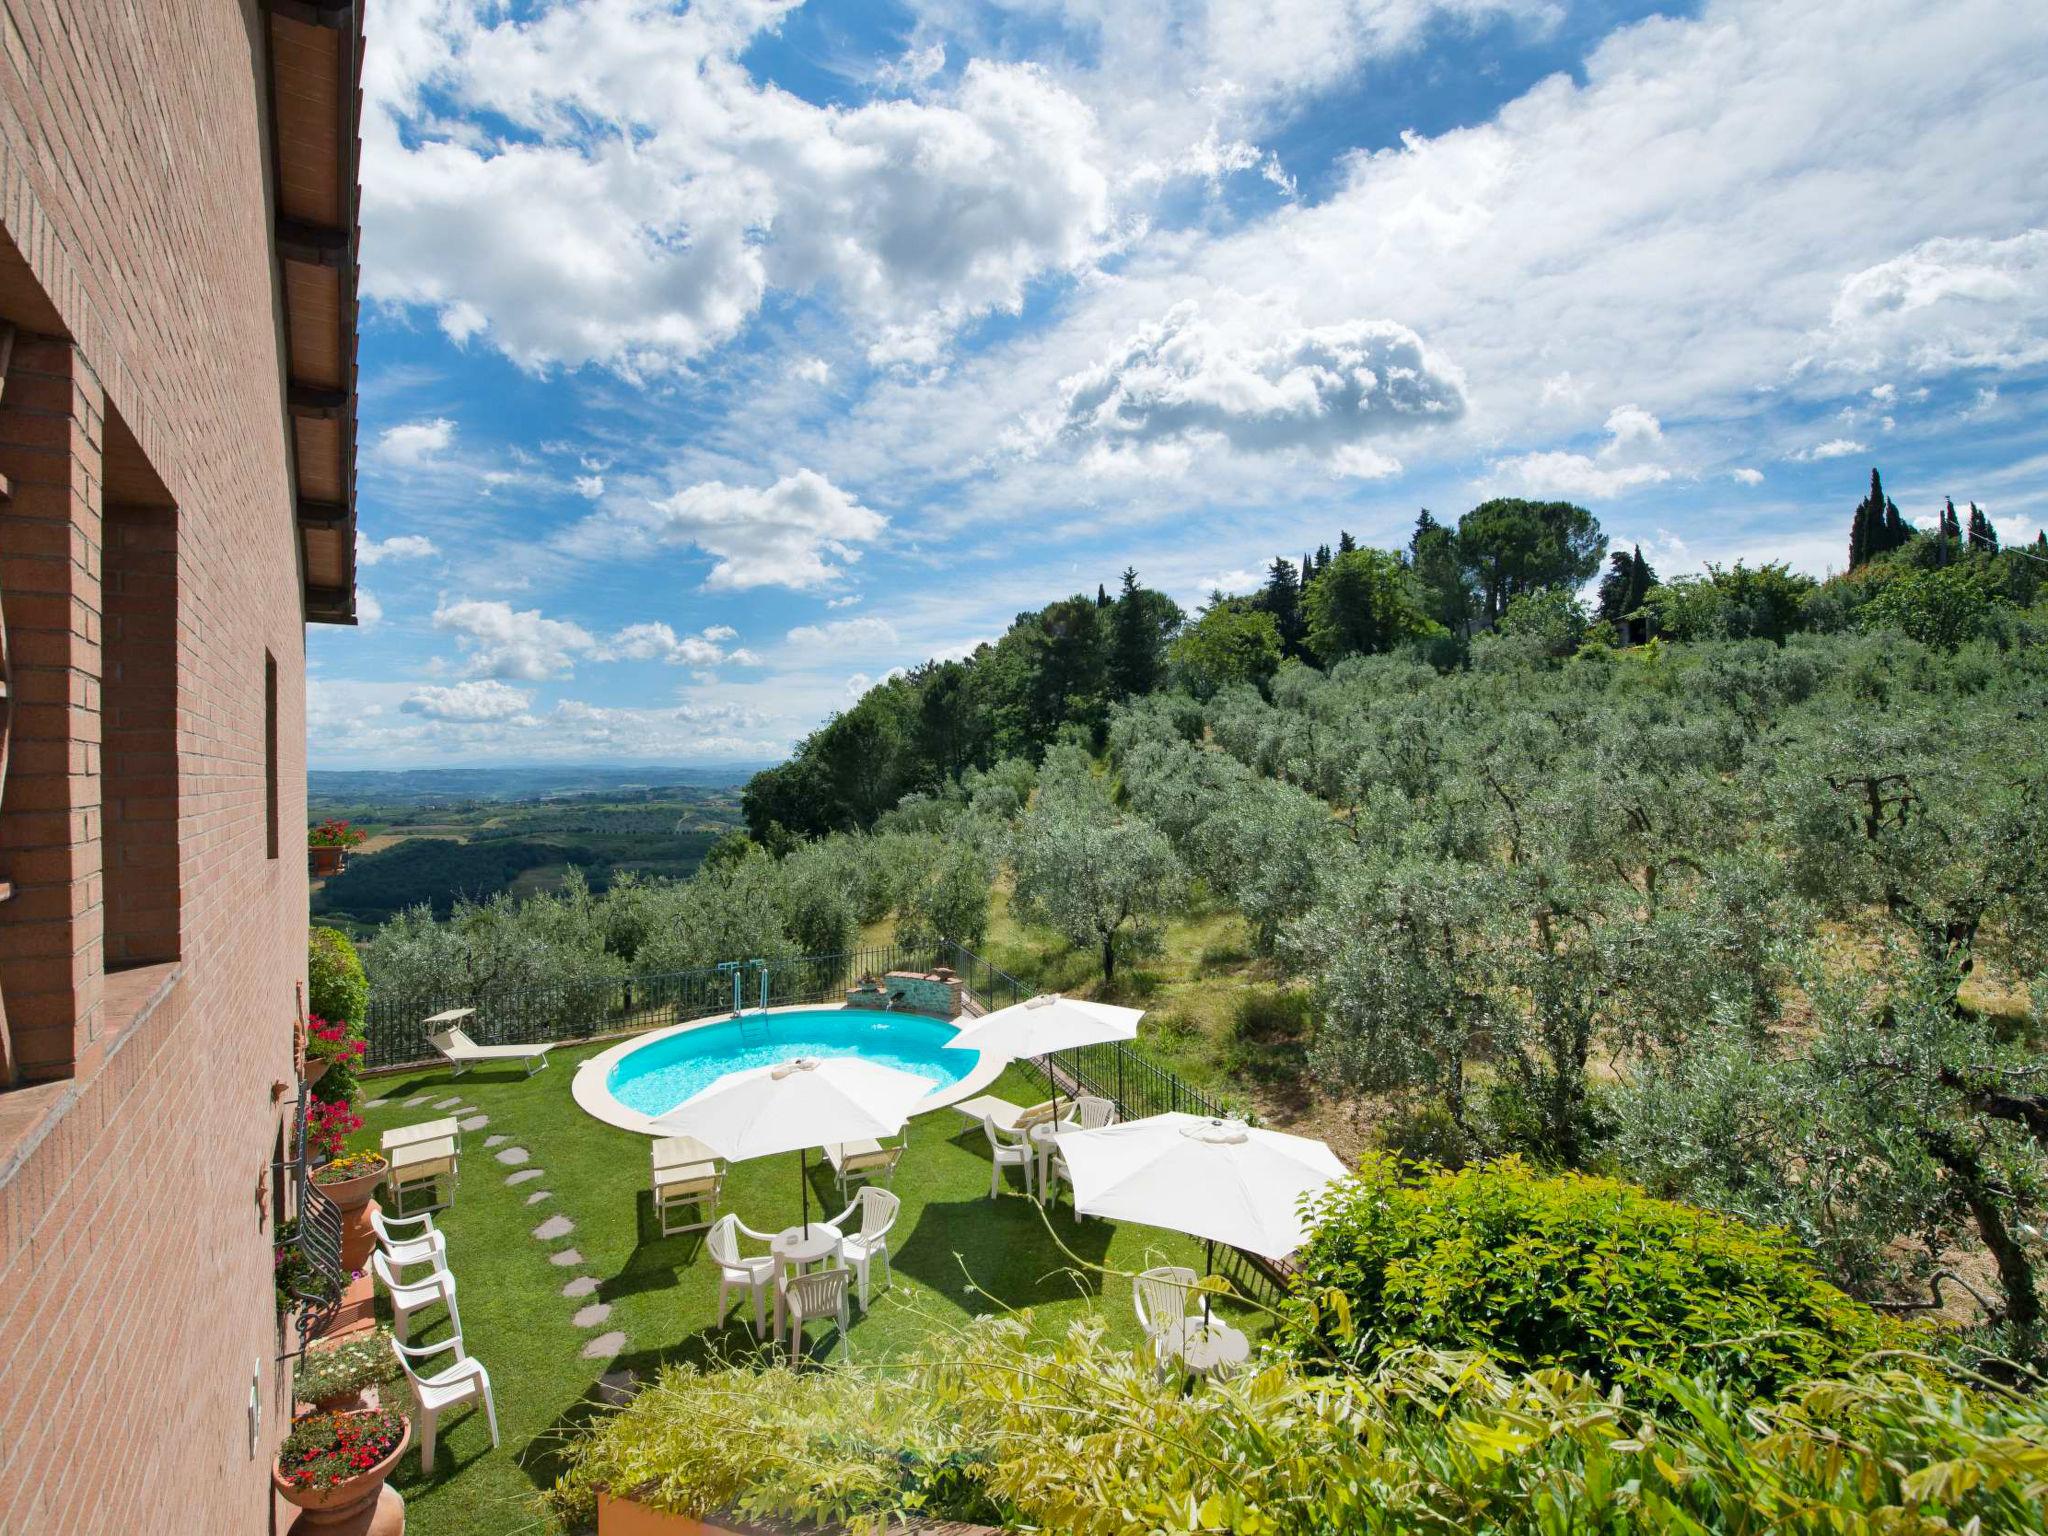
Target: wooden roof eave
x,y
315,98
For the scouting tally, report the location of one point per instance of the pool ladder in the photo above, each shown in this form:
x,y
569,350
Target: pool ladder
x,y
754,1028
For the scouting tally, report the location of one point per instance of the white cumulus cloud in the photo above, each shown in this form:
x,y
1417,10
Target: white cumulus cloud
x,y
844,634
789,534
1947,304
400,546
472,701
415,444
1315,388
1628,459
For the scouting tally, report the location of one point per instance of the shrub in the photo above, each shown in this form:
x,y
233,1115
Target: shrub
x,y
1588,1274
328,1448
1266,1014
1080,1437
336,988
1424,1132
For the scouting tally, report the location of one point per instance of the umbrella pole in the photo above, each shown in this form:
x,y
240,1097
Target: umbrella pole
x,y
803,1184
1208,1268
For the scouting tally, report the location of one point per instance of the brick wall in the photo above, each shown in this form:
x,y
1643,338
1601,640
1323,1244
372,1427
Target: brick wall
x,y
136,1318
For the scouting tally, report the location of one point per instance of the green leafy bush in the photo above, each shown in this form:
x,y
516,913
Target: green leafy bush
x,y
1584,1273
1078,1437
336,988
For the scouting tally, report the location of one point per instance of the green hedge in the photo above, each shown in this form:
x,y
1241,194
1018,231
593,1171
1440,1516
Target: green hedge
x,y
1585,1273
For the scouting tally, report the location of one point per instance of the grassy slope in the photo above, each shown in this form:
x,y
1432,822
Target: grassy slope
x,y
1210,1013
662,1291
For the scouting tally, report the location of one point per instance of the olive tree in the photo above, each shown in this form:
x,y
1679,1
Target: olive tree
x,y
1097,876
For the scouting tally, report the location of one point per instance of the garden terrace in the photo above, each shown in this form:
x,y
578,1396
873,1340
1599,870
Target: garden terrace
x,y
530,1303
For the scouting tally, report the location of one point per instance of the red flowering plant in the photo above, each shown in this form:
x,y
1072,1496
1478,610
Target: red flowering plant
x,y
328,1448
329,1124
334,834
342,1047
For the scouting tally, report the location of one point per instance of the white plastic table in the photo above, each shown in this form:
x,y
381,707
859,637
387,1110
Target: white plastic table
x,y
427,1130
414,1162
793,1249
1207,1345
1043,1135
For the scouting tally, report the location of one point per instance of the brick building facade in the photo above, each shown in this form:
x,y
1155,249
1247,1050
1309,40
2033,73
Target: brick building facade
x,y
177,329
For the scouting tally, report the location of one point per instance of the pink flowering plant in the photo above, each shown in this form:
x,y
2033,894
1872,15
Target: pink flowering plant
x,y
329,1124
342,1047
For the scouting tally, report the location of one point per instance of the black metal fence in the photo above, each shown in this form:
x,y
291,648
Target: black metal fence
x,y
1136,1084
522,1014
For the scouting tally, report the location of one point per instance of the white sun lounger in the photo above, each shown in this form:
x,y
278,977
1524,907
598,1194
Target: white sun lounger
x,y
454,1043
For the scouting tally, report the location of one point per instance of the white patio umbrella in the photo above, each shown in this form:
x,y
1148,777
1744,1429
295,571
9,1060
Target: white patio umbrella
x,y
1220,1180
805,1102
1040,1025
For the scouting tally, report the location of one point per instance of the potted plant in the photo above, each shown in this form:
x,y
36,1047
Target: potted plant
x,y
333,1466
350,1179
335,1378
336,1049
327,846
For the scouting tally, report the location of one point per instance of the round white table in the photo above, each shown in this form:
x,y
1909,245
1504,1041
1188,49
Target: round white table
x,y
1206,1346
798,1249
1042,1136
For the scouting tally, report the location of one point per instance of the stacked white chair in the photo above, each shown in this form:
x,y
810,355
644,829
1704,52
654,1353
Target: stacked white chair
x,y
434,1395
464,1378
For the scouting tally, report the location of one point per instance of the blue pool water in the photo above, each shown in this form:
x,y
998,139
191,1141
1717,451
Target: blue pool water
x,y
654,1078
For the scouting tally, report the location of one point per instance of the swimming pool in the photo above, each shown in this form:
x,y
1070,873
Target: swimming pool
x,y
631,1084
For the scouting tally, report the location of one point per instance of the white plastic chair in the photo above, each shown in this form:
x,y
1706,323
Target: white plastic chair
x,y
1160,1297
425,1246
821,1293
1005,1153
434,1395
756,1273
408,1298
1093,1114
878,1210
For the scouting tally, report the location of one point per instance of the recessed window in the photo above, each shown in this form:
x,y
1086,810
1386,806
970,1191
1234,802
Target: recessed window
x,y
270,810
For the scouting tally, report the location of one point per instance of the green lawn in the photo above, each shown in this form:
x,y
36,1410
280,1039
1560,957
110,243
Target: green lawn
x,y
957,1253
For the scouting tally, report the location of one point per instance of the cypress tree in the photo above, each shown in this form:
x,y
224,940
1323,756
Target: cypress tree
x,y
1867,531
1322,558
1101,596
1950,537
1345,543
1282,599
1859,535
1133,641
1308,569
1896,528
1982,534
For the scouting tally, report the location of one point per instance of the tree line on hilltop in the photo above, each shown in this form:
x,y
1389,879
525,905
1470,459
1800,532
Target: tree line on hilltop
x,y
1509,574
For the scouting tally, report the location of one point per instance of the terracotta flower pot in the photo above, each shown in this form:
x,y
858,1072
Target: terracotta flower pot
x,y
316,1068
353,1194
357,1506
327,861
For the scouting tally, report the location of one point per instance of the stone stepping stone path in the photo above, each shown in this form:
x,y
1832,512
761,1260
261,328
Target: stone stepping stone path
x,y
617,1388
539,1195
605,1346
449,1103
562,1258
375,1103
496,1141
582,1285
476,1122
512,1157
554,1227
416,1103
523,1175
592,1315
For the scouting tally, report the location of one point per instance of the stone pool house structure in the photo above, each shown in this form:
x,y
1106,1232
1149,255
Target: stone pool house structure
x,y
177,425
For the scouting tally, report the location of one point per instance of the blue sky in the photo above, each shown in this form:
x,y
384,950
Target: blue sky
x,y
717,359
